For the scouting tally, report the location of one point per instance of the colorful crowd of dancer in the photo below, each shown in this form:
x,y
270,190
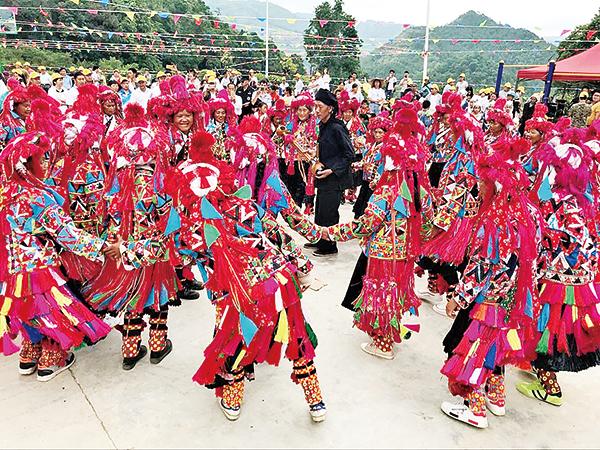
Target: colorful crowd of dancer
x,y
110,216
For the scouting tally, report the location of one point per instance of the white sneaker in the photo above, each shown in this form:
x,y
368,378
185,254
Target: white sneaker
x,y
27,368
495,409
51,372
318,412
440,308
231,413
462,413
372,349
428,296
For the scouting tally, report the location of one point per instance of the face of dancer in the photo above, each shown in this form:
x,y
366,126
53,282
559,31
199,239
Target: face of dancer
x,y
378,134
303,113
533,135
446,120
23,109
220,115
38,165
495,127
109,107
347,115
183,120
276,121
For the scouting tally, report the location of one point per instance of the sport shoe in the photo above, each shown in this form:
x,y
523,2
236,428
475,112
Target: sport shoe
x,y
311,245
232,413
187,294
372,349
50,372
462,413
193,285
129,363
494,408
428,296
156,357
318,412
27,368
440,308
536,391
320,252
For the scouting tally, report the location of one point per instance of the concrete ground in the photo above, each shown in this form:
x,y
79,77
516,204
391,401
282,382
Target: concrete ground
x,y
371,402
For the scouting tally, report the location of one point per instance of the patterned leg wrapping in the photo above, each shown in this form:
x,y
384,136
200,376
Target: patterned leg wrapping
x,y
305,374
233,393
158,329
52,355
476,402
384,343
432,283
132,335
549,382
495,389
30,352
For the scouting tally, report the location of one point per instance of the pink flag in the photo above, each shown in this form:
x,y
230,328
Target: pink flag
x,y
476,41
14,9
198,20
590,34
233,26
406,25
93,12
216,23
176,18
42,12
455,41
323,22
351,23
565,32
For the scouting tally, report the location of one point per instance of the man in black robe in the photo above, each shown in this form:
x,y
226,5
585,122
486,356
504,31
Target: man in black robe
x,y
336,154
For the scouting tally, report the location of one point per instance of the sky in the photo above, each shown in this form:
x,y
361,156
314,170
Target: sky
x,y
546,18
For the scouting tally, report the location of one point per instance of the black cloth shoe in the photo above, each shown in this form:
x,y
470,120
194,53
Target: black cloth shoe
x,y
156,357
193,285
320,252
129,363
187,294
311,245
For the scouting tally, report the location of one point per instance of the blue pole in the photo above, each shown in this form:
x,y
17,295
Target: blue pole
x,y
499,77
548,83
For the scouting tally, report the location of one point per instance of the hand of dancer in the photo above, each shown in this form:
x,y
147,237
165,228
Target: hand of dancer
x,y
452,308
323,173
113,250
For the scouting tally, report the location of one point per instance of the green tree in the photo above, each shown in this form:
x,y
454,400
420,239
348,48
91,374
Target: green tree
x,y
331,40
579,40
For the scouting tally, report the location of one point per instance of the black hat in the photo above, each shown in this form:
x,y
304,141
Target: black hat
x,y
325,96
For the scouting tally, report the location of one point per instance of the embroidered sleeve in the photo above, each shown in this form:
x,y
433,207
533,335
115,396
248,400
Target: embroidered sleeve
x,y
63,230
366,225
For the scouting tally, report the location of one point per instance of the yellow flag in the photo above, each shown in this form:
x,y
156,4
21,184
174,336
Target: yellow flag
x,y
75,1
291,21
283,332
6,306
152,13
238,360
18,285
513,339
130,15
435,41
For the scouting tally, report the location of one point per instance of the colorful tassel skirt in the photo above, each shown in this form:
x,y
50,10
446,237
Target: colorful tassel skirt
x,y
388,292
274,326
140,290
39,305
568,327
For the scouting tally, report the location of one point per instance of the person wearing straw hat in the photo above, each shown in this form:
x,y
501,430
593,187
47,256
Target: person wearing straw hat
x,y
142,93
450,85
462,84
376,96
45,78
57,91
505,90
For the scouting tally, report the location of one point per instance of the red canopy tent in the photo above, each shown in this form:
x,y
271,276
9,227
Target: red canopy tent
x,y
584,66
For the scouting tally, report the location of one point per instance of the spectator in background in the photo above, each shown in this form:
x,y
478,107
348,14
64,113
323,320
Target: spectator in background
x,y
98,76
449,85
282,87
124,92
245,91
114,86
131,76
299,86
325,79
192,79
210,90
73,93
263,93
87,73
505,90
580,111
142,93
57,91
462,85
355,92
155,88
235,99
390,84
116,76
434,97
45,78
253,79
595,114
67,80
426,115
288,96
376,96
425,90
404,81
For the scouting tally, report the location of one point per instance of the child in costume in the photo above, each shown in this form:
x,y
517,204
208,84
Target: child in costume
x,y
222,122
496,294
568,322
35,301
138,208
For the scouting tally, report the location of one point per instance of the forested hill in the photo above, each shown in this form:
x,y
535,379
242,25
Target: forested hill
x,y
473,44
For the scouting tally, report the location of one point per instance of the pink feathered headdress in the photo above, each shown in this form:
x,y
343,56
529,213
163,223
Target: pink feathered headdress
x,y
346,103
498,114
539,121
